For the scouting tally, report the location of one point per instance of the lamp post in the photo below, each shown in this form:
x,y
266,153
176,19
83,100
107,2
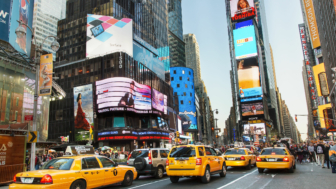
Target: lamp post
x,y
20,33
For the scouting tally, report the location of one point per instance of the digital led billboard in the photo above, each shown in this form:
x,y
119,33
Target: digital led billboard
x,y
244,24
321,80
246,138
159,101
245,42
83,111
106,35
254,129
249,80
241,9
123,93
252,109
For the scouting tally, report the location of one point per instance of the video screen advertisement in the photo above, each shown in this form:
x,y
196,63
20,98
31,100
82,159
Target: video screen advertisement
x,y
106,35
254,129
252,109
249,80
244,24
159,101
245,42
242,9
21,10
83,111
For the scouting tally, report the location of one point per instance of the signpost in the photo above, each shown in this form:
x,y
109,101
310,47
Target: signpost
x,y
32,137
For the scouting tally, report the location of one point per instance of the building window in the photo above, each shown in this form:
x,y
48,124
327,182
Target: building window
x,y
17,101
16,115
172,79
59,115
182,71
178,85
174,71
80,70
87,69
181,101
190,94
189,102
192,86
184,94
180,78
189,72
186,85
188,79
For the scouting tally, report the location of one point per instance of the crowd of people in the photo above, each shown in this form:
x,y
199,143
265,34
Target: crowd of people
x,y
112,154
40,159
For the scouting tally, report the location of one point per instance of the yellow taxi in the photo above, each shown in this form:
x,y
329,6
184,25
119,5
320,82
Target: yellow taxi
x,y
76,172
240,157
276,158
194,161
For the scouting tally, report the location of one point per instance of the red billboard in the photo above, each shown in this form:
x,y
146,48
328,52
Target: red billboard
x,y
241,9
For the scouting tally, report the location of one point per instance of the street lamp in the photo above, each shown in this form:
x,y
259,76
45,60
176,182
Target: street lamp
x,y
21,32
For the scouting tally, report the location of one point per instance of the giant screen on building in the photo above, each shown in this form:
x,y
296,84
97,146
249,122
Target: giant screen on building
x,y
159,101
252,109
106,35
254,129
242,9
245,42
83,112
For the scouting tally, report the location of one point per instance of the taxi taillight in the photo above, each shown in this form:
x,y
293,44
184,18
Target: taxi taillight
x,y
242,158
46,179
199,161
14,179
258,159
150,157
285,159
167,162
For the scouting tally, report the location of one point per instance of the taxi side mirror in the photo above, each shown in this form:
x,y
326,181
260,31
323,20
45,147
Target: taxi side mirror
x,y
116,164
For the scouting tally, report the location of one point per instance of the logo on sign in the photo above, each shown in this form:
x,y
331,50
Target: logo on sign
x,y
3,148
124,132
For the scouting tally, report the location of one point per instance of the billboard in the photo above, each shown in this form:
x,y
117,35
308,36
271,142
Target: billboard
x,y
83,111
241,9
254,129
106,35
21,10
118,93
313,30
45,76
245,42
322,114
244,24
5,14
252,109
159,101
249,80
321,80
147,58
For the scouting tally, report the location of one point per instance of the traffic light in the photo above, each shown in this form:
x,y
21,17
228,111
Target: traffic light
x,y
212,128
177,134
295,118
216,136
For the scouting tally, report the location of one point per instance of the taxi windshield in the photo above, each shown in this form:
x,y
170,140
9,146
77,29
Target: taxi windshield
x,y
235,151
274,151
183,152
58,164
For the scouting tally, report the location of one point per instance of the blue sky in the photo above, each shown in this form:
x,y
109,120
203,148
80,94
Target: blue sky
x,y
207,20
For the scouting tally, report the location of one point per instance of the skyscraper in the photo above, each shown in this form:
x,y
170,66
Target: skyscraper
x,y
46,15
193,56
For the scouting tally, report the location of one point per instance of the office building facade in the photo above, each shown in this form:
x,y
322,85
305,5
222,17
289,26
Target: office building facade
x,y
193,55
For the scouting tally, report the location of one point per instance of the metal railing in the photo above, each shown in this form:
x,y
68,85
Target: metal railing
x,y
7,172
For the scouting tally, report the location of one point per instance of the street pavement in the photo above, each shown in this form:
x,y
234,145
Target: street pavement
x,y
306,175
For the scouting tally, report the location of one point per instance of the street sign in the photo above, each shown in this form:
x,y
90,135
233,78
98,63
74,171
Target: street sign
x,y
28,117
171,135
32,137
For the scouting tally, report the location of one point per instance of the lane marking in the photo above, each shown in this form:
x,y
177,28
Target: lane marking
x,y
266,184
252,183
148,184
236,180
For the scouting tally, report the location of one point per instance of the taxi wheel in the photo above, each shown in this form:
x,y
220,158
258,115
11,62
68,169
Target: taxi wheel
x,y
291,170
174,179
159,173
248,167
78,184
294,166
128,179
260,170
206,176
223,173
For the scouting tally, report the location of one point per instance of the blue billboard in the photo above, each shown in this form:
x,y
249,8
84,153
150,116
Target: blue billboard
x,y
147,58
5,13
244,24
182,82
245,42
21,10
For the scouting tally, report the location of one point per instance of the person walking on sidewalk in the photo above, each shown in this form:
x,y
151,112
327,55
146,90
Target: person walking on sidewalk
x,y
300,154
332,158
326,155
320,153
311,152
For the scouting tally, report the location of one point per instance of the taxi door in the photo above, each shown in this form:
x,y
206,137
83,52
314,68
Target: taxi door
x,y
217,160
211,159
112,175
253,157
92,172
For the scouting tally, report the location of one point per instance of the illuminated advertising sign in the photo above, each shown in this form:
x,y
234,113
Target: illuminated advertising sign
x,y
246,138
321,80
312,25
106,35
241,9
249,80
121,93
254,129
46,71
5,14
323,115
83,112
252,109
148,59
244,24
245,42
132,135
159,101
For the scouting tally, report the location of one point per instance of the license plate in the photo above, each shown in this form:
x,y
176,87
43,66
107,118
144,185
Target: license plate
x,y
27,180
231,158
271,159
181,162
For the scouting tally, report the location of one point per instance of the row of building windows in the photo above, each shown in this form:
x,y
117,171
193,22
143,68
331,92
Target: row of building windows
x,y
186,86
183,102
172,78
182,72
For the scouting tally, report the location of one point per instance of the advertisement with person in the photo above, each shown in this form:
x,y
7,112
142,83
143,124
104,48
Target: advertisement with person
x,y
5,14
46,71
147,58
21,10
252,109
123,93
254,129
159,101
83,112
241,9
245,42
106,35
249,80
321,80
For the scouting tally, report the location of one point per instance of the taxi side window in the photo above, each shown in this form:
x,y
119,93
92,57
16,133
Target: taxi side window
x,y
213,152
90,163
154,154
163,153
200,151
106,162
207,151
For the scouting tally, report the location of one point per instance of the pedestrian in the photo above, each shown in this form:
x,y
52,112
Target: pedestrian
x,y
37,162
332,158
311,152
305,154
320,153
316,157
326,155
300,154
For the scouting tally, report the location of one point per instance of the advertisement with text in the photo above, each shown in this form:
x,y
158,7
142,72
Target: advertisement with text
x,y
5,14
241,9
46,71
252,109
254,129
245,42
159,101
